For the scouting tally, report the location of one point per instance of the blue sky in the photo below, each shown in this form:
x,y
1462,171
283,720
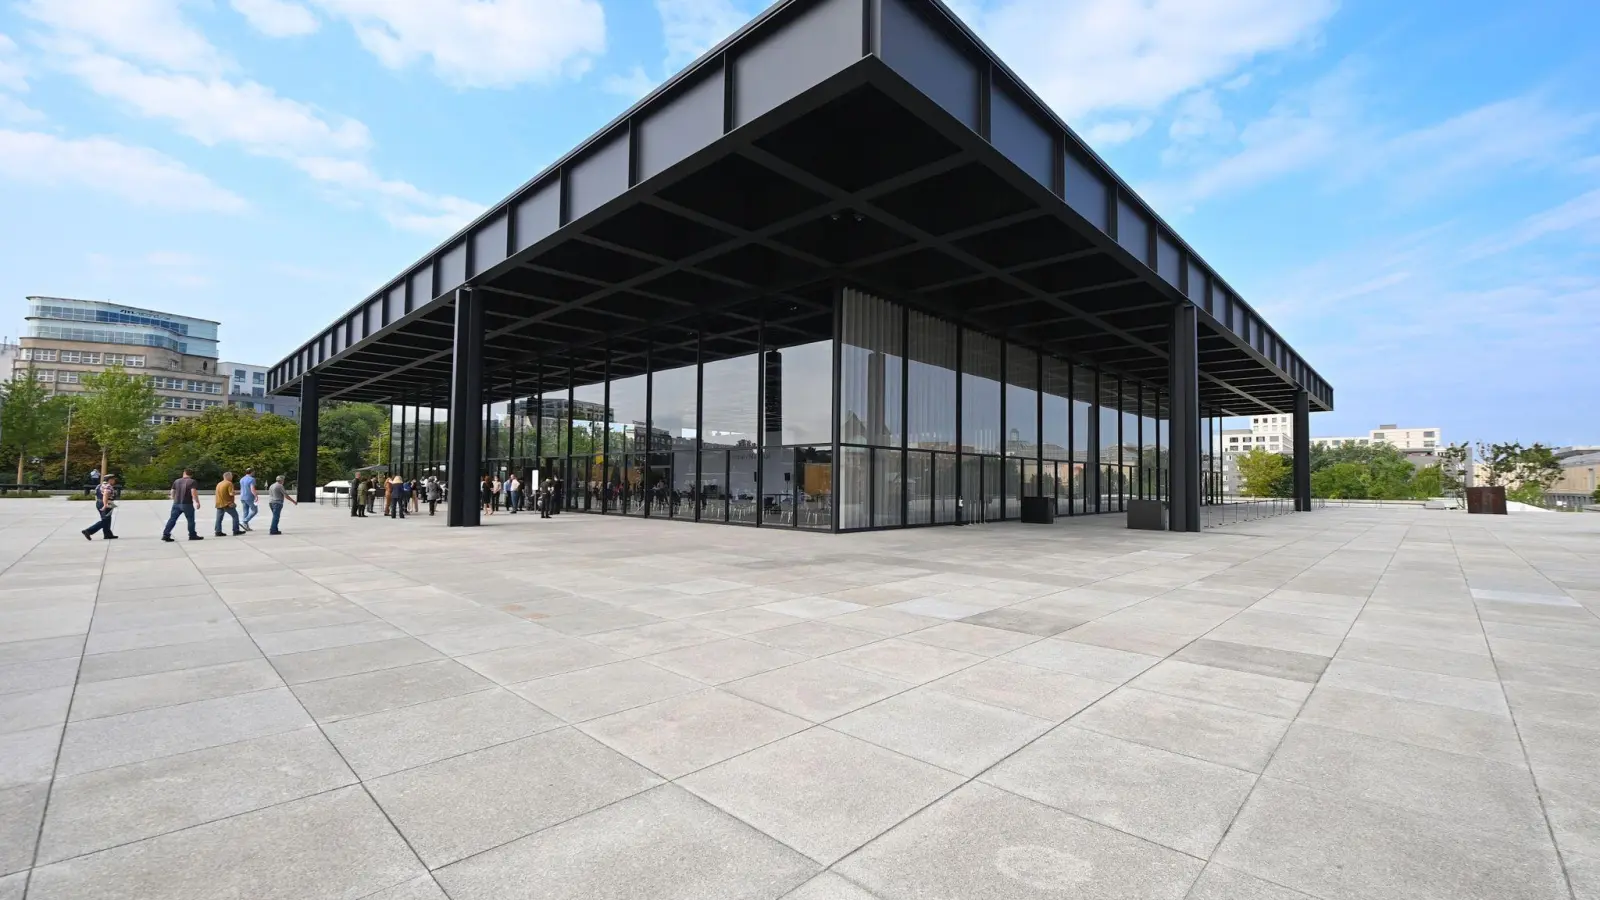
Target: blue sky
x,y
1409,192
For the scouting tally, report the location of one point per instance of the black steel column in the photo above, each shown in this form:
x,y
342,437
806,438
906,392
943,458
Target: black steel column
x,y
401,468
1183,375
466,409
306,474
433,461
1302,451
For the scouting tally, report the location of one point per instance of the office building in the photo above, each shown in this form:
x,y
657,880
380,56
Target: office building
x,y
247,389
66,339
859,275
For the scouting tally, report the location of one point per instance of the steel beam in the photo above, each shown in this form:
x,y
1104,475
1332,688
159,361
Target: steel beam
x,y
1302,450
1184,432
306,474
466,410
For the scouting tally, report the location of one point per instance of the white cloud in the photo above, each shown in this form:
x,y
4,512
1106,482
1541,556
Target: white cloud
x,y
1325,130
630,86
15,111
219,111
13,77
401,203
1117,131
480,43
1095,56
1581,214
691,27
134,173
277,18
151,31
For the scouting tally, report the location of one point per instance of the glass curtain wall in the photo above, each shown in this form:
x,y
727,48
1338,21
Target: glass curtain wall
x,y
931,392
1020,469
980,427
1056,472
872,369
932,424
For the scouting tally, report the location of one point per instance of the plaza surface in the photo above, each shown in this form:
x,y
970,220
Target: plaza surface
x,y
1350,703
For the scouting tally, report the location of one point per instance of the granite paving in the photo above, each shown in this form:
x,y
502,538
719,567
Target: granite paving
x,y
1357,703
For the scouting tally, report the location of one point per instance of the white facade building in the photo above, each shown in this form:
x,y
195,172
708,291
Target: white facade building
x,y
247,388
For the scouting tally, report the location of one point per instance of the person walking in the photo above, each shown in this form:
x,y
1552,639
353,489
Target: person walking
x,y
226,495
546,499
185,497
388,493
105,500
416,496
433,492
276,494
247,497
495,489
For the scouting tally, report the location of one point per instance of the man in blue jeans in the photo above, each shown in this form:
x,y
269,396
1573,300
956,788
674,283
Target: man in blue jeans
x,y
247,497
276,494
185,497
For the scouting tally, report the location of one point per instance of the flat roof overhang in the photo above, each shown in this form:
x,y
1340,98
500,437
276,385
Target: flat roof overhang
x,y
874,143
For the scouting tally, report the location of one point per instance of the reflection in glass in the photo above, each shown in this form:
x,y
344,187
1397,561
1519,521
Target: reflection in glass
x,y
852,487
870,377
729,422
887,488
673,462
931,383
919,488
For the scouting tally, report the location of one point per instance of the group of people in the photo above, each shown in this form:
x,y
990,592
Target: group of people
x,y
512,495
185,496
399,495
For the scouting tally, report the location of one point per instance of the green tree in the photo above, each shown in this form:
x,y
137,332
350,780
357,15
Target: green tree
x,y
1499,462
116,408
1428,482
32,416
1340,481
348,431
1537,466
1454,461
1596,495
1529,492
1264,474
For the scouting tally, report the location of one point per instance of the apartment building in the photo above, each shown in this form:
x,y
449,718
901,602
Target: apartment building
x,y
65,339
247,389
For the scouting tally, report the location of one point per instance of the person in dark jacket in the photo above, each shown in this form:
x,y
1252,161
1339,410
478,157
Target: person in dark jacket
x,y
105,500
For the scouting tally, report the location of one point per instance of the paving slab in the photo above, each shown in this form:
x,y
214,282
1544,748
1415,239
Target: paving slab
x,y
664,843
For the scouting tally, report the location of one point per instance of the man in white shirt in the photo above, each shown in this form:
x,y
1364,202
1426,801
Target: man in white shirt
x,y
513,492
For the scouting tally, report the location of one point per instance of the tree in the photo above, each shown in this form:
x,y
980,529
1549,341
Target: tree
x,y
32,416
1454,460
1428,482
1499,462
116,408
225,438
1264,474
1537,465
348,430
1596,495
1340,481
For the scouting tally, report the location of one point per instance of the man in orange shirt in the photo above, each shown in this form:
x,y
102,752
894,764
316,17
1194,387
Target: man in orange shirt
x,y
225,500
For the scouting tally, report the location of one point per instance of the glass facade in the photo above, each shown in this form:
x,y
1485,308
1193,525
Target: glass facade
x,y
899,419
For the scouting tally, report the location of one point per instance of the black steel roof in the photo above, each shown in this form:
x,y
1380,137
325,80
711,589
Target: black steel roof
x,y
877,143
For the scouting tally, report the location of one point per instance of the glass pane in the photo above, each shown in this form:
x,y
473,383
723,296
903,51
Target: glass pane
x,y
1110,449
804,386
919,488
992,487
971,506
932,383
980,393
870,376
854,477
742,478
815,507
712,493
730,420
945,483
1022,402
629,415
887,488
